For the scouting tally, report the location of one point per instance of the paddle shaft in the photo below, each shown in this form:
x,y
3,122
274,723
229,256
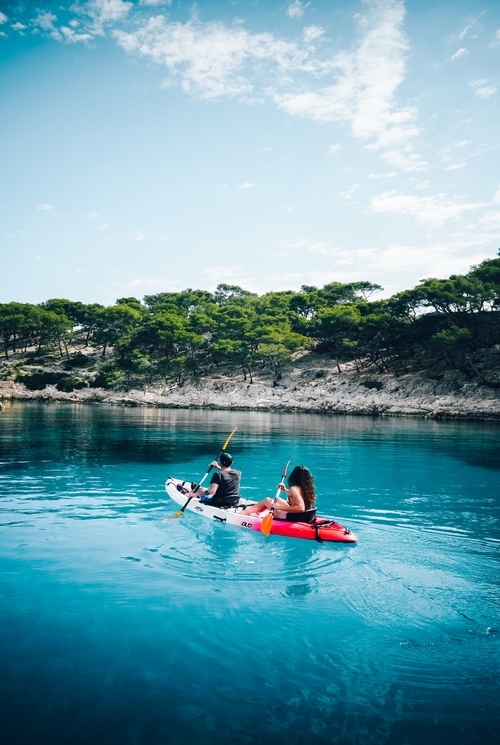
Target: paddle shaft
x,y
267,522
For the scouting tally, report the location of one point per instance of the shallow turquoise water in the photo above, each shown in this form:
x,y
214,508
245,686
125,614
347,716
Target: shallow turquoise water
x,y
119,628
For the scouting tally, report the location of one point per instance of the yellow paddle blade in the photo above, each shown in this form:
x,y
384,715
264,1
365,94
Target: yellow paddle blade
x,y
227,441
172,517
267,524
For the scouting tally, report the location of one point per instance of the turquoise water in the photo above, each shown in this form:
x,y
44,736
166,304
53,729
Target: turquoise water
x,y
119,628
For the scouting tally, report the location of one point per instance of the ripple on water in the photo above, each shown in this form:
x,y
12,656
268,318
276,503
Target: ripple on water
x,y
222,554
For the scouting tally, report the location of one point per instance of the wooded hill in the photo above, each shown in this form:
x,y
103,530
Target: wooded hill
x,y
173,336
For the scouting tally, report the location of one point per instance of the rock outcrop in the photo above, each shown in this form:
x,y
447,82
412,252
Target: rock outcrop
x,y
310,384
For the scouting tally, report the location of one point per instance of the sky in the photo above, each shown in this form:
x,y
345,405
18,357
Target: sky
x,y
154,145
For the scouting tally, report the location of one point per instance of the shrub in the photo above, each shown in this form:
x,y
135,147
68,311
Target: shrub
x,y
70,383
108,376
79,360
37,381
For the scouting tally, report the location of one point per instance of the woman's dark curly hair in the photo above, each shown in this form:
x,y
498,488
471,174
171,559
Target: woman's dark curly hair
x,y
302,477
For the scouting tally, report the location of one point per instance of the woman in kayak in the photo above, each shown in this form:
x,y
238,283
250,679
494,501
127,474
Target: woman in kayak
x,y
301,496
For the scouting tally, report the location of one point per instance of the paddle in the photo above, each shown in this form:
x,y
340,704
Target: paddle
x,y
267,522
179,513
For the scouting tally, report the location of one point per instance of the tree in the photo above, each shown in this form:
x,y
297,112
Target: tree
x,y
382,337
277,347
336,327
406,304
488,273
48,327
229,293
458,294
116,326
14,324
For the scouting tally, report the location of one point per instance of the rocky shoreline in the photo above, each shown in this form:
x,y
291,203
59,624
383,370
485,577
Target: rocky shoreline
x,y
318,388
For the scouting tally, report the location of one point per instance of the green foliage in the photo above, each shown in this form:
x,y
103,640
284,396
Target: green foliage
x,y
110,375
78,360
70,383
488,274
39,380
174,335
7,372
453,342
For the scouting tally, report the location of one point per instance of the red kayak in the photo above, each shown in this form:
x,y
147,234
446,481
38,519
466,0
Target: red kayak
x,y
319,529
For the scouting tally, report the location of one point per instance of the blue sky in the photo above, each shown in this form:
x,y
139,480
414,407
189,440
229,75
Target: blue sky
x,y
150,146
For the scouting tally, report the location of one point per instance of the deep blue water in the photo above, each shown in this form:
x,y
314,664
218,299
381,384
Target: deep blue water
x,y
116,627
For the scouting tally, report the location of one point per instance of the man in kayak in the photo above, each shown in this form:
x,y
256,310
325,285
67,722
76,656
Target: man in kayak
x,y
224,489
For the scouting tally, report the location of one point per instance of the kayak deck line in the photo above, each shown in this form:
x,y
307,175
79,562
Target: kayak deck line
x,y
320,529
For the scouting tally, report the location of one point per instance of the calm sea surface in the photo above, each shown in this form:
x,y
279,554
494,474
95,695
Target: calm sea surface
x,y
116,627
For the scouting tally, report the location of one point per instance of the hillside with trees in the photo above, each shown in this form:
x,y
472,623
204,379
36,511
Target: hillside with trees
x,y
174,338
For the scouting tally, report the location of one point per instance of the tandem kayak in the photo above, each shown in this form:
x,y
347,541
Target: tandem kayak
x,y
321,529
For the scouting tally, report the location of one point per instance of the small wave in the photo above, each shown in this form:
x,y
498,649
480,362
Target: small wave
x,y
228,555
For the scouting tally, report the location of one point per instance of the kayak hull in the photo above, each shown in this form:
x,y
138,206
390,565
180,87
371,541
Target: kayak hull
x,y
324,529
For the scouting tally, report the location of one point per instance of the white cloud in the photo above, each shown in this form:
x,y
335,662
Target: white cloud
x,y
462,52
210,58
247,185
19,26
392,174
45,20
367,81
349,193
104,226
155,2
3,18
433,211
496,198
102,11
472,29
324,248
43,207
449,153
404,159
296,9
482,89
71,37
135,235
213,60
456,166
312,32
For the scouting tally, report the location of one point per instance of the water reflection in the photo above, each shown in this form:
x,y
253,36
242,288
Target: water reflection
x,y
99,433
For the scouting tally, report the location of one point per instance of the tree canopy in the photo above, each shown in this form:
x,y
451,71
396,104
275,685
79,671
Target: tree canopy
x,y
173,335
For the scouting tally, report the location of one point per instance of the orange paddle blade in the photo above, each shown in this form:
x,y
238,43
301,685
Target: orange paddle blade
x,y
267,524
